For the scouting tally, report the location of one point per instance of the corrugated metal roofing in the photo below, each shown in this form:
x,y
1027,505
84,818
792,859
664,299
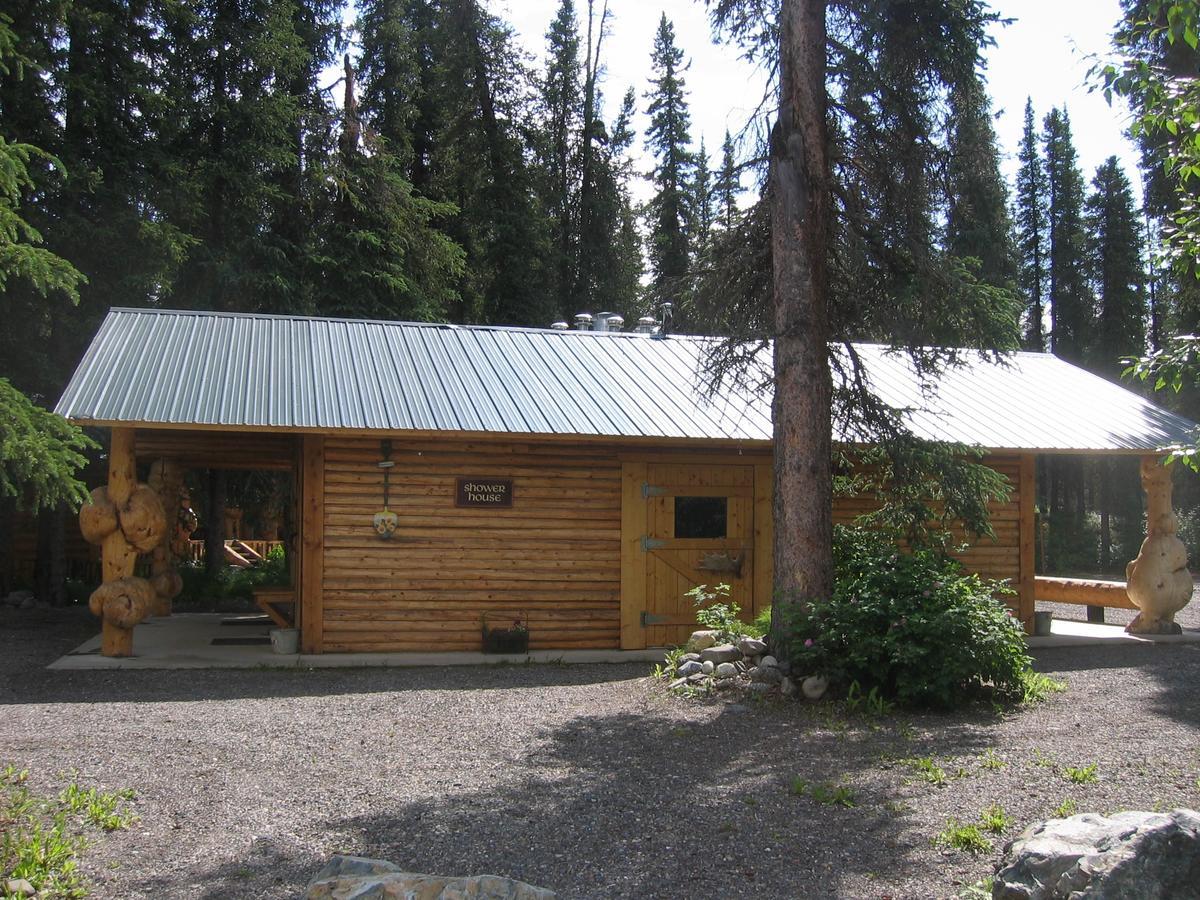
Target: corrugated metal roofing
x,y
256,371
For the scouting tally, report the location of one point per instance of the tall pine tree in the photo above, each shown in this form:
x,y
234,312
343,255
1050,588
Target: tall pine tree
x,y
1032,232
668,140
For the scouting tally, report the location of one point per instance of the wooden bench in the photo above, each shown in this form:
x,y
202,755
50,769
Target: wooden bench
x,y
279,604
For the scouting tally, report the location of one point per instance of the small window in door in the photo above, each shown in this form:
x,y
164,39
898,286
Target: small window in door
x,y
700,517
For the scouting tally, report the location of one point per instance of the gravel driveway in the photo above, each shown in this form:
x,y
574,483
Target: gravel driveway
x,y
587,779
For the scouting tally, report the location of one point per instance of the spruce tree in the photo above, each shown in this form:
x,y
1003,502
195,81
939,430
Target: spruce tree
x,y
668,140
558,150
1031,232
1070,303
703,212
978,227
727,185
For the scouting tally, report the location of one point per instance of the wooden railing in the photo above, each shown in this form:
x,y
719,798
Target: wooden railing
x,y
245,550
1082,591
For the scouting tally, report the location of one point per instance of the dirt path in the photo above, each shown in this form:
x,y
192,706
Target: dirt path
x,y
586,779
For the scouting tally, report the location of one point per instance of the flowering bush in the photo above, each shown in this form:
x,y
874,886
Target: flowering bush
x,y
913,625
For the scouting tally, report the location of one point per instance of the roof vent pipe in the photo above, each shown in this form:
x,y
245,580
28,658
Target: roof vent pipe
x,y
583,322
645,325
614,322
560,326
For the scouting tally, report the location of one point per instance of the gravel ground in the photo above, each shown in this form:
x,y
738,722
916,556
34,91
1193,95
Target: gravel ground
x,y
591,780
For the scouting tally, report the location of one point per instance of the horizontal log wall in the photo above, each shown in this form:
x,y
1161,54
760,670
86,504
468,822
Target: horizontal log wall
x,y
553,558
999,558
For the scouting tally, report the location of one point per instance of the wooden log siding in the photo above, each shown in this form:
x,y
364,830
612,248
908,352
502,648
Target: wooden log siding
x,y
553,558
999,558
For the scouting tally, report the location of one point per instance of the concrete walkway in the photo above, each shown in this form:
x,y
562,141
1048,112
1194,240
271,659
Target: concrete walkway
x,y
185,641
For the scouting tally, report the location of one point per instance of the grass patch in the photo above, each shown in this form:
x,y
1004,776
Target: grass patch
x,y
826,794
43,837
1081,774
1036,687
989,760
968,838
1065,809
995,819
928,769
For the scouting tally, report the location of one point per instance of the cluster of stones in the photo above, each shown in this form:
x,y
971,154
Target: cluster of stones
x,y
376,879
744,664
22,600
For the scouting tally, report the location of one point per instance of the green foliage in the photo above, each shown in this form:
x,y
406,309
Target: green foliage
x,y
963,837
42,838
231,583
825,793
871,703
40,453
928,769
1036,687
995,819
1081,774
912,625
990,760
667,139
1031,232
1065,809
722,616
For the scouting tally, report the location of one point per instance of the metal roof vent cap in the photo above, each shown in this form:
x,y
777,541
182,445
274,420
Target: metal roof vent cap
x,y
614,322
645,325
583,322
559,326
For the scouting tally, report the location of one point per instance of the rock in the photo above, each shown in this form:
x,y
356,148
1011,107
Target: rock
x,y
814,687
18,599
698,678
340,866
678,682
1130,854
688,657
752,646
415,886
721,653
770,662
726,670
766,675
28,603
787,687
19,887
758,687
691,667
707,667
701,640
785,667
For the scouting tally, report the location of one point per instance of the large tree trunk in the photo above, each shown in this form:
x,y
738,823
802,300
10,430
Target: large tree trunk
x,y
800,210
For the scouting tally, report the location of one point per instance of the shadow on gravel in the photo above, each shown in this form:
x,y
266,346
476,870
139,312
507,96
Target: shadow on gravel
x,y
165,686
1174,669
650,806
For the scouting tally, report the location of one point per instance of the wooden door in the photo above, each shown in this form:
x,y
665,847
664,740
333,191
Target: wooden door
x,y
699,530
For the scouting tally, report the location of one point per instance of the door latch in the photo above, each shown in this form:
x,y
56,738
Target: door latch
x,y
649,490
649,543
649,618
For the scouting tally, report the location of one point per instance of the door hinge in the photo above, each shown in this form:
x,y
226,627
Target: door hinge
x,y
649,618
649,490
649,543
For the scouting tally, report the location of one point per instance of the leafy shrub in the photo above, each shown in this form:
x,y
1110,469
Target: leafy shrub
x,y
912,625
232,583
722,617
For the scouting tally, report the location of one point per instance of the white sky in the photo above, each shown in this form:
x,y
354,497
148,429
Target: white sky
x,y
1044,54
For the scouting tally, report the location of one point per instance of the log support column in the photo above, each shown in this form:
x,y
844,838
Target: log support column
x,y
1158,581
125,518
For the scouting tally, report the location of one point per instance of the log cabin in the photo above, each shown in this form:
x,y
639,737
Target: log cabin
x,y
577,481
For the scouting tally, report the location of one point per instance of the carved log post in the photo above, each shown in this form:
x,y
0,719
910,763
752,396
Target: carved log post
x,y
1158,582
125,518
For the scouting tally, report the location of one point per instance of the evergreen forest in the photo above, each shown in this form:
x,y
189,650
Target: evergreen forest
x,y
406,159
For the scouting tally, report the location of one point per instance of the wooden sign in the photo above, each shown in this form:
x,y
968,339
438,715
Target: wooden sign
x,y
483,492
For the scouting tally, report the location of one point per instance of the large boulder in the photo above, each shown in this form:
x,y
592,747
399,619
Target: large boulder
x,y
701,640
359,878
1131,854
